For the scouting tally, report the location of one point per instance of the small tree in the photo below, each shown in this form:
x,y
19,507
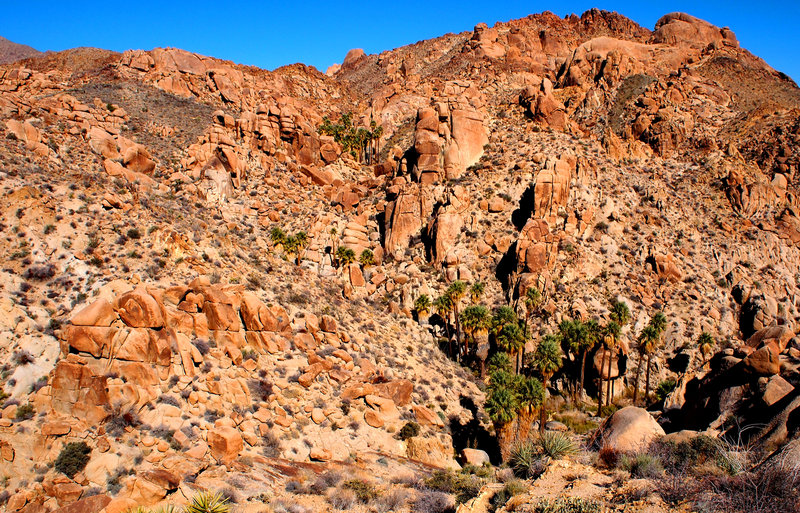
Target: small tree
x,y
501,406
456,291
444,307
367,258
530,393
345,256
547,360
475,321
511,339
476,292
73,458
422,305
705,343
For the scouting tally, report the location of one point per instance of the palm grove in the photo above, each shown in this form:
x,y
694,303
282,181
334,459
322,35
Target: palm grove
x,y
494,342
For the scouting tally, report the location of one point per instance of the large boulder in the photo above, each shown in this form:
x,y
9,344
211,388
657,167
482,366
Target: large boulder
x,y
630,429
226,443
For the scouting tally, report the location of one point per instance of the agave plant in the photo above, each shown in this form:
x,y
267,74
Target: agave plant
x,y
208,502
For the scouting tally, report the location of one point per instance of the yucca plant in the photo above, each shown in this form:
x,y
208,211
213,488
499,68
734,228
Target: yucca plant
x,y
556,445
208,502
526,460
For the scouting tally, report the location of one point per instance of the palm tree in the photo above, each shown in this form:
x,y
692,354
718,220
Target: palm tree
x,y
422,305
367,258
475,320
547,360
613,330
620,313
650,349
511,339
476,291
502,405
530,394
301,239
533,298
705,343
456,291
444,307
579,337
646,340
345,255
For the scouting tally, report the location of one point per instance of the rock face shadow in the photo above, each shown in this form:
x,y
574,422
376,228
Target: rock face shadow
x,y
472,435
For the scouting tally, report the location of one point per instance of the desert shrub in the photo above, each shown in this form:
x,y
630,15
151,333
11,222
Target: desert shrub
x,y
556,445
324,481
201,345
642,465
578,425
73,458
260,389
463,486
271,445
25,412
526,460
118,421
40,272
342,498
609,457
208,502
568,505
512,488
364,491
679,457
169,399
394,500
23,357
410,429
431,501
134,234
766,490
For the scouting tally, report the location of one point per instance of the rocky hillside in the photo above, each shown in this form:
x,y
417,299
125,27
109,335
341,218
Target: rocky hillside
x,y
212,280
13,52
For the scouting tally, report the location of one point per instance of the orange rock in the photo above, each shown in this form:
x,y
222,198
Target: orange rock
x,y
225,443
99,313
139,309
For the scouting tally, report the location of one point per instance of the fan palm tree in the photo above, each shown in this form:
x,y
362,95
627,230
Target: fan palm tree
x,y
345,256
645,340
530,395
612,332
511,339
422,305
533,299
456,291
649,350
705,343
502,405
547,360
444,307
580,338
476,292
475,321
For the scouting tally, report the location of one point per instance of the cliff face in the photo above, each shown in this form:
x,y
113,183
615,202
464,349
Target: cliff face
x,y
175,290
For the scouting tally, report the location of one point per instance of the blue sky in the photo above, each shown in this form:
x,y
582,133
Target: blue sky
x,y
270,34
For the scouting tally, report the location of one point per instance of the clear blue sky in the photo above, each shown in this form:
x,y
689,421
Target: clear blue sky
x,y
270,34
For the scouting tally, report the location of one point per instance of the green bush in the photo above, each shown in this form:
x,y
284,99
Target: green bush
x,y
364,491
665,388
464,486
73,458
25,412
410,429
642,466
512,488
